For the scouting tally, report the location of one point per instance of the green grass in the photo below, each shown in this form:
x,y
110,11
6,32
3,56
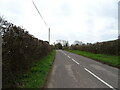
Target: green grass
x,y
107,59
37,75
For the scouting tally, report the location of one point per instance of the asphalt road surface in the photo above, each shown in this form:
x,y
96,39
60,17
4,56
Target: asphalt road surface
x,y
74,71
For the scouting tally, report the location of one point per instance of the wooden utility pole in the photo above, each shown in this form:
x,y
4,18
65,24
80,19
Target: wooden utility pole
x,y
43,20
49,36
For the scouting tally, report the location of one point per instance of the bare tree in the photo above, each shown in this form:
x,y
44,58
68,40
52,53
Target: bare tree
x,y
63,42
77,42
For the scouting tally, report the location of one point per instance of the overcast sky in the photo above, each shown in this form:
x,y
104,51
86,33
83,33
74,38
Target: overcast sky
x,y
84,20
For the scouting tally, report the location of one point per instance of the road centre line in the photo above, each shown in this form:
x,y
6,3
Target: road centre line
x,y
99,79
75,61
63,52
69,57
72,58
93,74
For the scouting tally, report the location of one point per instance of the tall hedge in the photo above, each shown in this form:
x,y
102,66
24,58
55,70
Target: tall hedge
x,y
108,47
19,50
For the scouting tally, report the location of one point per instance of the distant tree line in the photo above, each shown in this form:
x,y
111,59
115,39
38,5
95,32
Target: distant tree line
x,y
108,47
61,44
19,50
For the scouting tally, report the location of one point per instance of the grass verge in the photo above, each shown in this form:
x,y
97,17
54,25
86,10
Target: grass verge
x,y
37,75
107,59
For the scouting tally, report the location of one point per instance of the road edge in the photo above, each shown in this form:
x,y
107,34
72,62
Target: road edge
x,y
49,73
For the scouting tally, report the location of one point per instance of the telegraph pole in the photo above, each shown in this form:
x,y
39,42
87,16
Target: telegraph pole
x,y
43,21
49,36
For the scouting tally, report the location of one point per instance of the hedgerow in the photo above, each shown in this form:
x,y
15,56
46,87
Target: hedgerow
x,y
19,50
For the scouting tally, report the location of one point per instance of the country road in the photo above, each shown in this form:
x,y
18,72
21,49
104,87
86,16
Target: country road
x,y
75,71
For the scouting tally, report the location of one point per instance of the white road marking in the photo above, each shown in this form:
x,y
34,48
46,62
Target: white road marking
x,y
100,79
75,61
63,52
69,57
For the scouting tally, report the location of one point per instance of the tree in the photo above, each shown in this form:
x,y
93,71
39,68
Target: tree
x,y
58,46
77,43
67,44
63,42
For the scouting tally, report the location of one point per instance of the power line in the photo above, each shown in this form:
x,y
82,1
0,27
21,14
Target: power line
x,y
39,13
43,20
